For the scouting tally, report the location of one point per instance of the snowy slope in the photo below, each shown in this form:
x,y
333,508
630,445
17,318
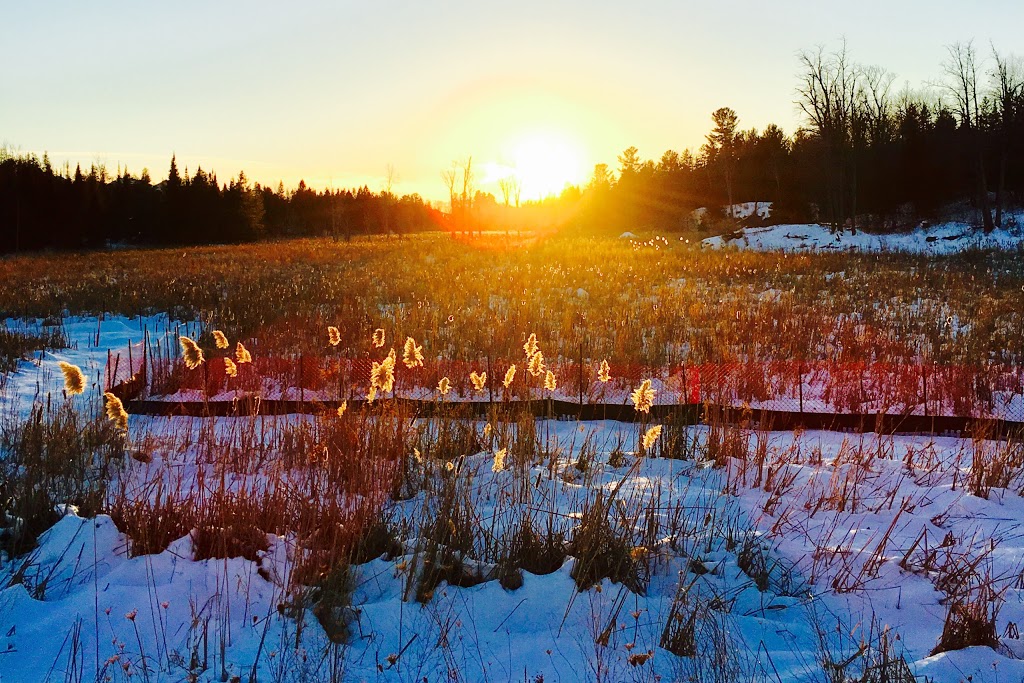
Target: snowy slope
x,y
835,504
945,238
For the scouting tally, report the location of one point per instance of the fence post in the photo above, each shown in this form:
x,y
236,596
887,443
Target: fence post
x,y
581,335
490,379
924,384
800,383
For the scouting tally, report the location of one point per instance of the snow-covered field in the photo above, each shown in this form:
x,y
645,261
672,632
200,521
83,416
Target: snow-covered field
x,y
798,549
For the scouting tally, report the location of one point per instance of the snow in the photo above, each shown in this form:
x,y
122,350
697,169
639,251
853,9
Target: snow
x,y
740,211
944,238
80,602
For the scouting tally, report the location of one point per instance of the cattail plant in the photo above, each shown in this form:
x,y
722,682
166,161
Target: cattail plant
x,y
510,375
191,352
220,340
230,368
242,354
74,380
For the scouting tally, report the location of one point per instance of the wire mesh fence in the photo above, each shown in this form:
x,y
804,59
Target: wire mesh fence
x,y
921,390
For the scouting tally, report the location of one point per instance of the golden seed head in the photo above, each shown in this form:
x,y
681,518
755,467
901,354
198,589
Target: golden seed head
x,y
549,381
643,397
536,366
342,408
74,380
378,337
230,369
444,386
499,460
651,435
510,375
412,355
604,373
531,345
479,381
242,354
333,335
115,411
220,340
191,352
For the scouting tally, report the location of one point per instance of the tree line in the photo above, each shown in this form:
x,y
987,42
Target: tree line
x,y
42,207
867,155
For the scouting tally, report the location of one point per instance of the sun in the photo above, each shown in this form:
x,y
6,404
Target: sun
x,y
545,162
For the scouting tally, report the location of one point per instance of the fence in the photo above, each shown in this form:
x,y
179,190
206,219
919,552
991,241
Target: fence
x,y
911,397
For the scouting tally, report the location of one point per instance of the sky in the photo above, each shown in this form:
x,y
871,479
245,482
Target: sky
x,y
335,92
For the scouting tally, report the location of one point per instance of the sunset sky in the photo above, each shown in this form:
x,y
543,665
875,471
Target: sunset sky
x,y
334,92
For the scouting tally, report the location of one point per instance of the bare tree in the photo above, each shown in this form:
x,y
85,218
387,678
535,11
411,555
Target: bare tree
x,y
505,185
450,177
390,179
961,69
876,104
1008,83
827,97
460,180
468,188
